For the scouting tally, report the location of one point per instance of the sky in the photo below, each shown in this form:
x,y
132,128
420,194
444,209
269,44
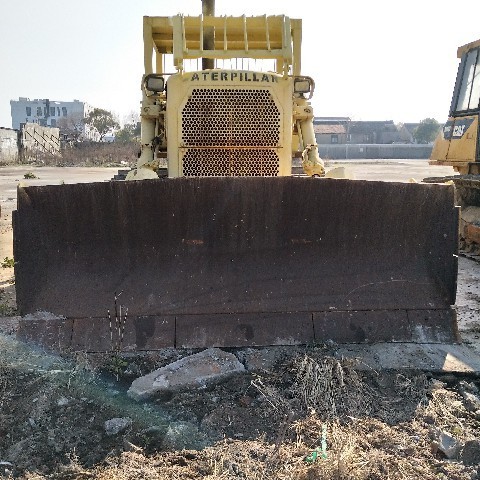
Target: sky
x,y
370,59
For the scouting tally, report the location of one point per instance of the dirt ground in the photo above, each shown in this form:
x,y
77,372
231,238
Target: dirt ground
x,y
300,415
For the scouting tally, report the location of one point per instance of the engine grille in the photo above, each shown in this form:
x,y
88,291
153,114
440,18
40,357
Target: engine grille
x,y
216,122
202,162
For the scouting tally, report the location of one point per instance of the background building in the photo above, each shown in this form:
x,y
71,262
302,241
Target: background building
x,y
32,142
67,116
343,138
331,129
8,145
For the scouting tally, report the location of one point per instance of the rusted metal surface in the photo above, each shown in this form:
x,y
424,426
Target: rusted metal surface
x,y
434,326
52,333
362,326
236,247
411,326
131,334
201,331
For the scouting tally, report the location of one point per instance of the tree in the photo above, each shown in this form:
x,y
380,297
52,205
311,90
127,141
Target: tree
x,y
103,120
72,126
131,130
127,134
427,131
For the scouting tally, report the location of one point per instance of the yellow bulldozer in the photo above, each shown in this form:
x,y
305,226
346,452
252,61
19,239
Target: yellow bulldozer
x,y
212,241
457,145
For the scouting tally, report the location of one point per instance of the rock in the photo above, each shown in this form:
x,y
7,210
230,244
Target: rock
x,y
469,387
201,370
470,454
130,447
429,419
183,435
6,469
63,401
117,425
472,401
448,445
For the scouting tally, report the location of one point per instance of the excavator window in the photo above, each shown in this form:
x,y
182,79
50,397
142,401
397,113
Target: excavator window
x,y
468,84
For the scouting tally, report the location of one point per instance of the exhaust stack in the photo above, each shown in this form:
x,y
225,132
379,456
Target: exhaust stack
x,y
208,9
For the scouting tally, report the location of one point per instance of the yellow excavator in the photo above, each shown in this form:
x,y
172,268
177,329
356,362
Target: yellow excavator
x,y
457,145
212,241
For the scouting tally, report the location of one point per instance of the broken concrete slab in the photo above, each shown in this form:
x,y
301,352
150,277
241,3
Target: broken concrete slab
x,y
439,358
197,371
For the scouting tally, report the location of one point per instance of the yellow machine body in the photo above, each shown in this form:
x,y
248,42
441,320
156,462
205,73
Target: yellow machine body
x,y
457,144
234,119
244,127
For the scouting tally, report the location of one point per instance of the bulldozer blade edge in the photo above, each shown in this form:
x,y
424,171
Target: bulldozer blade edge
x,y
226,261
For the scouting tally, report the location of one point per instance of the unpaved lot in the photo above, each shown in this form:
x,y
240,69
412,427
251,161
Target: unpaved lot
x,y
297,412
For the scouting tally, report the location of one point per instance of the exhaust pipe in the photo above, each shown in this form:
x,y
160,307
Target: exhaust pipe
x,y
208,9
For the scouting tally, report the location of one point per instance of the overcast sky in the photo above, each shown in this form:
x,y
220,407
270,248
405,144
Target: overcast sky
x,y
371,59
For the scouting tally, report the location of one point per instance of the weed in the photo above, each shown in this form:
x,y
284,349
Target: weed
x,y
117,329
117,365
30,176
8,262
6,310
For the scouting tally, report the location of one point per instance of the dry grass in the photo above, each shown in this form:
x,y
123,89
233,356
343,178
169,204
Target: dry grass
x,y
361,450
89,155
331,388
344,412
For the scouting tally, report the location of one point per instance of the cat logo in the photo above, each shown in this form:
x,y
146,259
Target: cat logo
x,y
460,127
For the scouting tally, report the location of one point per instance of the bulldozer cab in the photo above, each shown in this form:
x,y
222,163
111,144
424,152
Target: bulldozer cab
x,y
457,144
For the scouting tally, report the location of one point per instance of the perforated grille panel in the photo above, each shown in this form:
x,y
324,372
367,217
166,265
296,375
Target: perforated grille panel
x,y
230,118
201,162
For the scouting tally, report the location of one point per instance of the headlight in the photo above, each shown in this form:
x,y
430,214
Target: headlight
x,y
303,85
154,83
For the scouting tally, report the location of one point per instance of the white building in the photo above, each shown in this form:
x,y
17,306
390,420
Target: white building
x,y
68,116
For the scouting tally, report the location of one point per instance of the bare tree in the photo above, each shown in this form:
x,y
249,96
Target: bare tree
x,y
72,126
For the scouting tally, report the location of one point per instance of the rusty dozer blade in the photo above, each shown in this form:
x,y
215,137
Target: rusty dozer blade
x,y
202,262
